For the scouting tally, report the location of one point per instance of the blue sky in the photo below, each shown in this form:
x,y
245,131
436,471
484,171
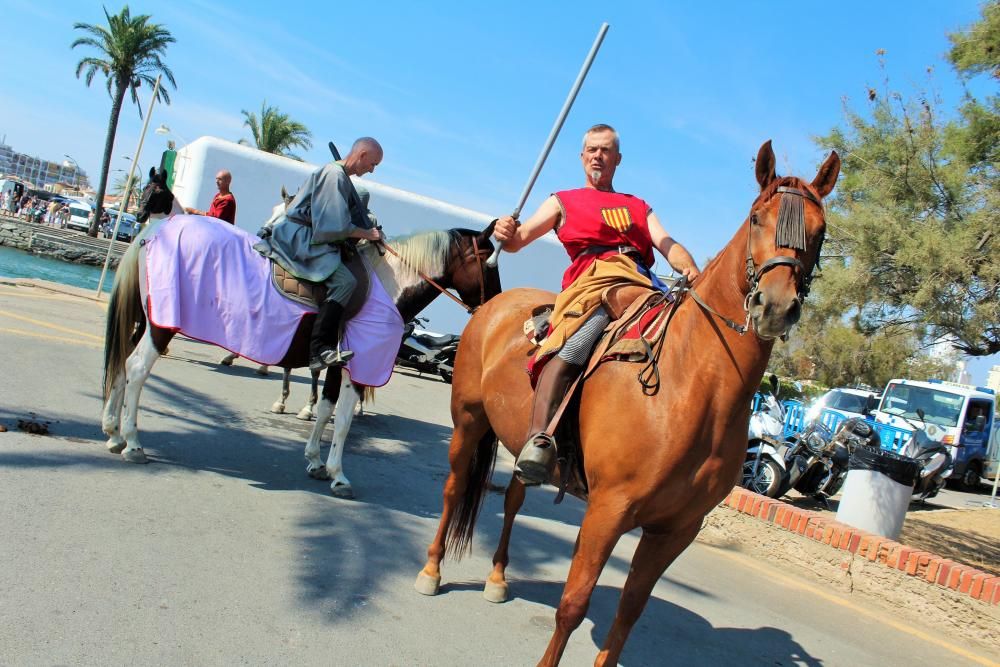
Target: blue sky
x,y
463,94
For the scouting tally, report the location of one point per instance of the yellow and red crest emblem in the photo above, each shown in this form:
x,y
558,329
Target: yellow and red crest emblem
x,y
617,218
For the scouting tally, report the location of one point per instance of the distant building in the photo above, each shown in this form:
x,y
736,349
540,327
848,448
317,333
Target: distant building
x,y
38,172
993,379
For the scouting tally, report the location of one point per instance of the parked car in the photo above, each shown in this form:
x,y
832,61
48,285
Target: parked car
x,y
128,229
844,401
79,215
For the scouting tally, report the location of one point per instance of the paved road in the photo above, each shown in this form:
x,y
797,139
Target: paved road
x,y
221,551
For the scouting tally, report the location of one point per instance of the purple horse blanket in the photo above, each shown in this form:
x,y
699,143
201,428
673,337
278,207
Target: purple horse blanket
x,y
205,280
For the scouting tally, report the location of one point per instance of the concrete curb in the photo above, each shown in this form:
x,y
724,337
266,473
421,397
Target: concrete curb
x,y
935,570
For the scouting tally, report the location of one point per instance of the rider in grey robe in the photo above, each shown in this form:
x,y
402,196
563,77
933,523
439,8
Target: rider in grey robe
x,y
326,212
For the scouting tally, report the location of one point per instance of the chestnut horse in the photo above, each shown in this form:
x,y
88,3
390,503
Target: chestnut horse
x,y
658,462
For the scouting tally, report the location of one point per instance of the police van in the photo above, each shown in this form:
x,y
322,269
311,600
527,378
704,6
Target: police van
x,y
961,416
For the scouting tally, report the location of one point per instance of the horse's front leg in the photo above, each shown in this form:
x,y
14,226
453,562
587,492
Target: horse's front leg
x,y
308,411
316,469
279,406
348,398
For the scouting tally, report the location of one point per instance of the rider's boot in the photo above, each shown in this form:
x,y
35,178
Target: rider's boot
x,y
323,350
537,459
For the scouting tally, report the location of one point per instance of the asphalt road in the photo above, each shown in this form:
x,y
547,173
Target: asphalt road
x,y
222,551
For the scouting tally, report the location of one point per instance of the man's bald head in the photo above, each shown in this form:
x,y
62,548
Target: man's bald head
x,y
223,180
366,154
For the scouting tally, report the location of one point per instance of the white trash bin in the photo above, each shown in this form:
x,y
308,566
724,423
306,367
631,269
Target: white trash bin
x,y
877,491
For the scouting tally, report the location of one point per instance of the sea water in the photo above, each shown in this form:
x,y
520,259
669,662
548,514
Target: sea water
x,y
16,263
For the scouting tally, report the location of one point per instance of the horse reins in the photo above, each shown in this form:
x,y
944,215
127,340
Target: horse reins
x,y
433,283
789,233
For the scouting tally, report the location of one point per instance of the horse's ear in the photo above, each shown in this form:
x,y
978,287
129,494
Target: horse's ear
x,y
765,165
284,193
487,233
827,175
152,173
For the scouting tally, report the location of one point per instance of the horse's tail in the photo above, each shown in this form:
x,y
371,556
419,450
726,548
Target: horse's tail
x,y
126,320
368,395
463,519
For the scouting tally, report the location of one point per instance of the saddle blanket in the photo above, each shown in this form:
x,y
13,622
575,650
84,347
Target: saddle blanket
x,y
206,281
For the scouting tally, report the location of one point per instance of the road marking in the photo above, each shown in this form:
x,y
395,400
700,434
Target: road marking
x,y
57,297
63,339
794,583
51,326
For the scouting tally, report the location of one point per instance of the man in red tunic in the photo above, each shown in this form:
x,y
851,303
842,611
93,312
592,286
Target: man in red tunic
x,y
224,204
609,236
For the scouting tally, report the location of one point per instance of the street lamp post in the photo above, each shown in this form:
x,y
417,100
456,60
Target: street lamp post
x,y
76,171
164,130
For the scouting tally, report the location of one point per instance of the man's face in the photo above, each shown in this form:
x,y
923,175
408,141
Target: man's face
x,y
222,180
600,158
368,160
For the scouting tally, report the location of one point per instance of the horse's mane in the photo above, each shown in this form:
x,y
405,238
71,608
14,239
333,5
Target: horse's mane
x,y
765,194
423,251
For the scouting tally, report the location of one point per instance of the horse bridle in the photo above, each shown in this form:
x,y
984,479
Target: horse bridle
x,y
477,253
754,275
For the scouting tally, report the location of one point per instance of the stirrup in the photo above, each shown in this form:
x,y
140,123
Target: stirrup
x,y
537,460
330,357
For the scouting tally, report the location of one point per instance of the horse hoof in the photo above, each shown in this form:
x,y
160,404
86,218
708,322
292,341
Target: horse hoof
x,y
261,370
427,585
134,456
306,415
318,473
227,361
116,447
342,491
278,408
495,592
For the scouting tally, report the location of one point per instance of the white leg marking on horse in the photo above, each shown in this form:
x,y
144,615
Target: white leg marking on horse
x,y
341,486
137,369
111,420
316,469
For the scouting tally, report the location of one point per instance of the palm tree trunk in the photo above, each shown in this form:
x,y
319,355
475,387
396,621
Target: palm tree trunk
x,y
109,144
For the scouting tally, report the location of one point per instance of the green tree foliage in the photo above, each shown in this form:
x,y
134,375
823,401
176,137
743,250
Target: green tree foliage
x,y
118,189
914,226
274,132
977,50
129,54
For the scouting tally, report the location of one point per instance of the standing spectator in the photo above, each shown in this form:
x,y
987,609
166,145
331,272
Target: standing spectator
x,y
224,204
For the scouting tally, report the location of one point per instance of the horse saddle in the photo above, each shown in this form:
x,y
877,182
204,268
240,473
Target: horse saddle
x,y
312,294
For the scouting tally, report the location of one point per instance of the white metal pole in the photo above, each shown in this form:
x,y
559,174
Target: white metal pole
x,y
492,260
128,185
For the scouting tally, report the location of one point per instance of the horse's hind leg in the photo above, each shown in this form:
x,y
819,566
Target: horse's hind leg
x,y
137,369
111,420
278,406
496,583
656,551
470,428
308,411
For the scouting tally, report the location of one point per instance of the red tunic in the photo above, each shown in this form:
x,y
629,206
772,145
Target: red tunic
x,y
224,208
598,218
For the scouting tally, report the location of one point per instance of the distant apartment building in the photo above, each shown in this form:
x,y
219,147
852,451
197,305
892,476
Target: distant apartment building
x,y
40,173
993,379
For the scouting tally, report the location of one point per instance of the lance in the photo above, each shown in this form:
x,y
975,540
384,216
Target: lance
x,y
492,261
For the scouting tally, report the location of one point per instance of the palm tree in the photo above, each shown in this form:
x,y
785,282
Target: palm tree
x,y
129,54
118,188
274,132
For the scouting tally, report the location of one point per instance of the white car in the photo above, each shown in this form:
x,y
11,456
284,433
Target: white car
x,y
844,401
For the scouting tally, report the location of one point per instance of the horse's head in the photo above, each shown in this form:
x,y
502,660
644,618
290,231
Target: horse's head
x,y
467,272
156,197
786,230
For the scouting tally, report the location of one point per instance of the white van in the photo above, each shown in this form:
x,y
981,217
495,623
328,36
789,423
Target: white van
x,y
80,213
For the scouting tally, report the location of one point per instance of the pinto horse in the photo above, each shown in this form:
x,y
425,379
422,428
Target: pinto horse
x,y
453,259
649,462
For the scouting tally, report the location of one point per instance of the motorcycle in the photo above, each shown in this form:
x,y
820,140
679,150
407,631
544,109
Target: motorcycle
x,y
764,469
936,463
426,352
817,459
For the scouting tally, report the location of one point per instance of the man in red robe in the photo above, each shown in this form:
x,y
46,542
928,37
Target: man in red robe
x,y
610,237
224,204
